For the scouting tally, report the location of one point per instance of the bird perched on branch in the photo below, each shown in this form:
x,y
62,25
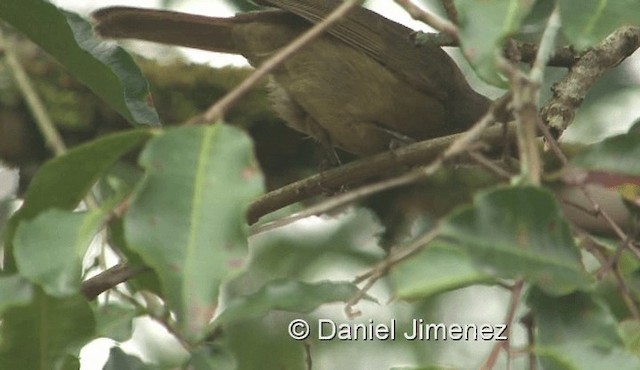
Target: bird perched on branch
x,y
361,87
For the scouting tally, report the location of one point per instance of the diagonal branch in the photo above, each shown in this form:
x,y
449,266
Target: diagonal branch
x,y
93,287
431,19
568,94
459,144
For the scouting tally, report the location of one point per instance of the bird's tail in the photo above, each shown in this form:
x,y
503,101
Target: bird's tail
x,y
167,27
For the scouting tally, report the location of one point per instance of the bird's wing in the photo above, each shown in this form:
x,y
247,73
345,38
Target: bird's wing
x,y
427,68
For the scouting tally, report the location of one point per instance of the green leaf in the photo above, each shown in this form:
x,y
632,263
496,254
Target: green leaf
x,y
70,363
119,360
212,357
106,69
437,269
44,333
114,321
294,255
186,220
593,20
273,349
49,249
286,295
63,181
616,154
484,25
577,332
607,112
630,333
14,291
148,280
518,232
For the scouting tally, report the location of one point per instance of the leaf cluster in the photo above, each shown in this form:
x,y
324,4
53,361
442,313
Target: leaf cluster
x,y
167,238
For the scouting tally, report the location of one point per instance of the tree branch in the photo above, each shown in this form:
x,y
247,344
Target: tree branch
x,y
363,169
458,145
46,126
93,287
430,19
568,94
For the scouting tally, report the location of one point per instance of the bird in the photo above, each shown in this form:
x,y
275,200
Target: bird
x,y
364,86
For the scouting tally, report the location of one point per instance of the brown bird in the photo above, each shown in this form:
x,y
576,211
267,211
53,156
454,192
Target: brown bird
x,y
361,87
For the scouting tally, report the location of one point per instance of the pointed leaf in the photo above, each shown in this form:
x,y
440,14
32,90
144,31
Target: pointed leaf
x,y
14,291
484,25
286,295
439,268
210,357
593,20
44,333
187,218
49,249
148,280
70,176
70,363
617,154
63,181
115,321
106,69
630,332
577,332
519,232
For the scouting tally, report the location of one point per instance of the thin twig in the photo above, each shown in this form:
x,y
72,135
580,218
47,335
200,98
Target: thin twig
x,y
551,141
625,293
429,18
46,126
526,91
611,264
545,50
364,169
626,242
516,292
489,164
624,238
528,320
109,278
613,260
525,110
450,9
383,267
457,147
218,110
93,287
161,316
563,56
